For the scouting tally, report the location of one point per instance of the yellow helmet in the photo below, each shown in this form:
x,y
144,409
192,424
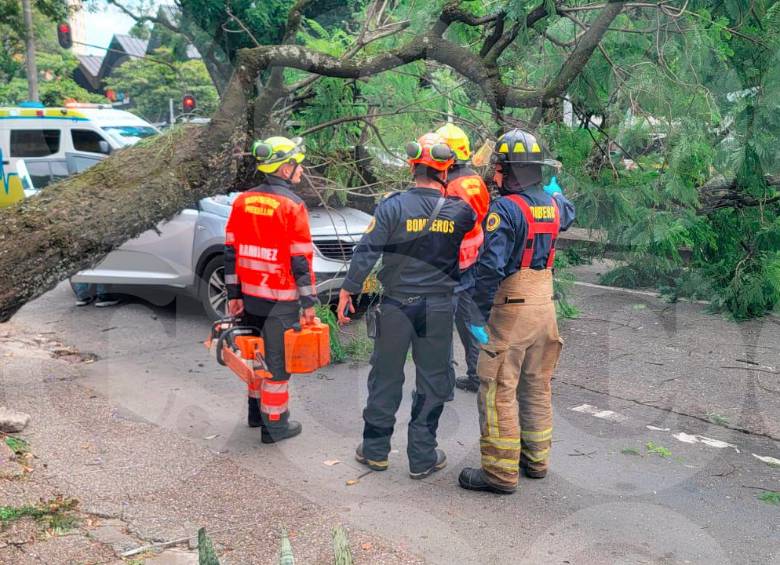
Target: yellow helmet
x,y
274,152
457,139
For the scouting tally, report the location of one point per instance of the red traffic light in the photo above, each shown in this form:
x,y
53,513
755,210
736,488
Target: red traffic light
x,y
188,103
64,35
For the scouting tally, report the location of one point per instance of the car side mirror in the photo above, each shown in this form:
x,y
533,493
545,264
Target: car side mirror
x,y
105,148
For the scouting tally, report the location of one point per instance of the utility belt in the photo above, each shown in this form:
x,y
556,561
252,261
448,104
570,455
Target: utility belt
x,y
398,300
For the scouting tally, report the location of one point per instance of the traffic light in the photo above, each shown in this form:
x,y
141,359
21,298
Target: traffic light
x,y
63,35
188,103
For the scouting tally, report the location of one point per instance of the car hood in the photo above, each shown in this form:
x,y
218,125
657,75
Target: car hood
x,y
323,221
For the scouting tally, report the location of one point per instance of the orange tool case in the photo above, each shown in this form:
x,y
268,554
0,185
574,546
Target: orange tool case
x,y
242,350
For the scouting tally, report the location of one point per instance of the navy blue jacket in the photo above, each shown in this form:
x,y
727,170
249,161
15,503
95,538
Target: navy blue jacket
x,y
398,221
505,236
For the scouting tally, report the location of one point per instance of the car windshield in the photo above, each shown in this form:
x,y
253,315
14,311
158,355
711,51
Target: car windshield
x,y
129,135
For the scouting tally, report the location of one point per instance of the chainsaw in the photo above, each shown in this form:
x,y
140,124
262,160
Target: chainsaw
x,y
240,349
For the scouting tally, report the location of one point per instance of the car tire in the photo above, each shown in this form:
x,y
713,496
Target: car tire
x,y
212,291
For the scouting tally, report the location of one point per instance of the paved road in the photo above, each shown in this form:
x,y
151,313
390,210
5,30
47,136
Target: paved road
x,y
637,374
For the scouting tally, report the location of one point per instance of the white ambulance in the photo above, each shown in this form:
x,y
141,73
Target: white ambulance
x,y
55,143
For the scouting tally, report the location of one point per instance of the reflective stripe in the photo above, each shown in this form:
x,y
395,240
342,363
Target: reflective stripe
x,y
258,265
491,415
301,248
536,456
542,435
275,387
307,290
274,397
504,444
231,279
506,464
265,292
230,237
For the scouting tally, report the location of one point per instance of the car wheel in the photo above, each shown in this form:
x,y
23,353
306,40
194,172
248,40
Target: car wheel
x,y
213,291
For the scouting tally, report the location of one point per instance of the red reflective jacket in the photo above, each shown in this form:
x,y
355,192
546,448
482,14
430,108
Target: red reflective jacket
x,y
269,250
469,186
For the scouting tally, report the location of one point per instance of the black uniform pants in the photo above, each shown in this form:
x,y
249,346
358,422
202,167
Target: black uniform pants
x,y
272,319
426,324
463,305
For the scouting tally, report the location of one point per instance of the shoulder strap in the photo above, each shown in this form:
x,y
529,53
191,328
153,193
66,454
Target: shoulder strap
x,y
535,228
416,243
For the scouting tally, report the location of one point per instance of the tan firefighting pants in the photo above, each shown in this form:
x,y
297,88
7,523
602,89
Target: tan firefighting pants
x,y
515,369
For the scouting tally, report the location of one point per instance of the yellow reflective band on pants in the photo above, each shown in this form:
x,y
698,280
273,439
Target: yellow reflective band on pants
x,y
536,456
510,465
542,435
515,370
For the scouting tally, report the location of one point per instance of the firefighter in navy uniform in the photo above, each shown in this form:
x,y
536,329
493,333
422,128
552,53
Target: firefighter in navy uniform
x,y
514,292
418,234
463,182
268,272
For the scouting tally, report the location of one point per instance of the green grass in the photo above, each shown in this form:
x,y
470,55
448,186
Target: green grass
x,y
659,450
53,514
770,497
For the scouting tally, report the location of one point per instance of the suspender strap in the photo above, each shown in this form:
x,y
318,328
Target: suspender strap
x,y
536,227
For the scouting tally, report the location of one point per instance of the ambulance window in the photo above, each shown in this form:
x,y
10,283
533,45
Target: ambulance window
x,y
34,142
86,140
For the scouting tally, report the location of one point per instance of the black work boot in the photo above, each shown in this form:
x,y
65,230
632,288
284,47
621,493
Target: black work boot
x,y
532,473
277,430
474,479
253,419
370,463
468,384
441,463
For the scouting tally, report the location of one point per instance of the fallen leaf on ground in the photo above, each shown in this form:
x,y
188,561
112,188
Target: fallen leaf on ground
x,y
367,546
331,462
211,437
351,482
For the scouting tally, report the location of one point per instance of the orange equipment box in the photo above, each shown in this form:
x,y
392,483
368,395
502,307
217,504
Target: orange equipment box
x,y
307,350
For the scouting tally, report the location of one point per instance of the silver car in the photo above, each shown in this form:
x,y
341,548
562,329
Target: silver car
x,y
187,253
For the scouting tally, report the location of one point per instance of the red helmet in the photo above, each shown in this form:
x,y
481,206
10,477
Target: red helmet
x,y
432,151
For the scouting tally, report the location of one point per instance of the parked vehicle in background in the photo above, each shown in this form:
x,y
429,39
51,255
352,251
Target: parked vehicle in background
x,y
186,254
58,142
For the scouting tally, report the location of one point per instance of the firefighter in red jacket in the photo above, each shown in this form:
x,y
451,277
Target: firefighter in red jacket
x,y
464,183
268,272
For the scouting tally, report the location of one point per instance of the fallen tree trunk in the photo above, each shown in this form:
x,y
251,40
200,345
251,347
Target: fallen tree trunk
x,y
73,224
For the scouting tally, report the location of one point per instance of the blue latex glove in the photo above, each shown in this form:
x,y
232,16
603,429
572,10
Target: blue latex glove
x,y
479,334
553,188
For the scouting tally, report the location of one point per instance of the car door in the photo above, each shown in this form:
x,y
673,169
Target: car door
x,y
161,257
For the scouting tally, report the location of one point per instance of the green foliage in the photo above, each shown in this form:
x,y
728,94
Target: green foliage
x,y
17,445
659,450
55,65
342,554
53,514
150,84
683,107
770,497
206,553
326,315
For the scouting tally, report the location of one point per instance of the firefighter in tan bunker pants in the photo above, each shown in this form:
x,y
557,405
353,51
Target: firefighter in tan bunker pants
x,y
513,291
